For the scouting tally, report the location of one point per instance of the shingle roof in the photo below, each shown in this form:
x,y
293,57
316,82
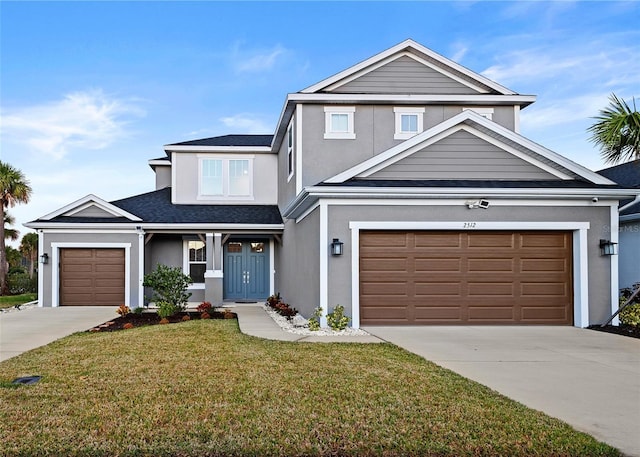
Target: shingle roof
x,y
156,207
230,140
626,174
471,183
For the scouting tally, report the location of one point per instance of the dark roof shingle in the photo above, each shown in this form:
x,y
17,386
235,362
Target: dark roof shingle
x,y
230,140
626,174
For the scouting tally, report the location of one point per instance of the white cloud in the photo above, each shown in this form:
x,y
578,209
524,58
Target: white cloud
x,y
247,123
459,51
87,120
258,60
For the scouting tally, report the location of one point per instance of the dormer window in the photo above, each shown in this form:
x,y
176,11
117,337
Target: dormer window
x,y
409,122
228,178
339,122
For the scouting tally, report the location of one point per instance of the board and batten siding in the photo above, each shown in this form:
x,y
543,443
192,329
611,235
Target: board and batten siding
x,y
403,76
462,156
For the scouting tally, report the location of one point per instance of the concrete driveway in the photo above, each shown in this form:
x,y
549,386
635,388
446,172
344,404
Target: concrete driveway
x,y
21,331
588,379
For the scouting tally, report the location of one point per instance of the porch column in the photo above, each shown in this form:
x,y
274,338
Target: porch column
x,y
213,275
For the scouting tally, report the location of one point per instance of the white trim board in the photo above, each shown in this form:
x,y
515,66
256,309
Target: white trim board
x,y
580,255
55,266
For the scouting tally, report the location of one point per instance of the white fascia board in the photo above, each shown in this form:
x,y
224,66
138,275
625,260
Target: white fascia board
x,y
159,163
90,200
256,149
406,45
152,226
414,99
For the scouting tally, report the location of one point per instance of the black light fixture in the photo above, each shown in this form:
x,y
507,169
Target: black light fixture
x,y
336,247
608,247
44,258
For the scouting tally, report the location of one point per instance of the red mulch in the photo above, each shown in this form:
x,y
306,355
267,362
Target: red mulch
x,y
151,318
622,329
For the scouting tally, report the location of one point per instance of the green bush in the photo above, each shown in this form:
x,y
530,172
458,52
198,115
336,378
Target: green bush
x,y
336,319
169,286
21,283
314,321
631,315
166,309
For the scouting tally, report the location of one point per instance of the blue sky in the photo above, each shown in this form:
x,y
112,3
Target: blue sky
x,y
89,91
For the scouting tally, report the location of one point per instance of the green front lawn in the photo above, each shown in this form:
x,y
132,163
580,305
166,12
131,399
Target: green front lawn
x,y
203,388
7,301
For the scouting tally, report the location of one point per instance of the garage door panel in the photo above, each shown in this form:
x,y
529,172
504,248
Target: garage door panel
x,y
384,240
436,289
384,264
92,277
472,277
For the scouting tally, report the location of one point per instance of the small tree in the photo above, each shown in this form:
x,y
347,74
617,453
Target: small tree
x,y
29,248
169,286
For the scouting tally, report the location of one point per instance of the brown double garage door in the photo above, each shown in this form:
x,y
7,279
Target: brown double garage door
x,y
92,277
451,277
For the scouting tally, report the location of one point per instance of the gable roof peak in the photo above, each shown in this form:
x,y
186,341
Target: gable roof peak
x,y
418,51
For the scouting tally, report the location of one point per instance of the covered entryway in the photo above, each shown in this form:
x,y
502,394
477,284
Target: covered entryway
x,y
92,277
453,277
246,270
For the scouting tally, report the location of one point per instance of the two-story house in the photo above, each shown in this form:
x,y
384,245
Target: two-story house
x,y
400,188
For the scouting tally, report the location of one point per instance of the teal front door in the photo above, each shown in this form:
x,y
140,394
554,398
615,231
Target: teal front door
x,y
246,270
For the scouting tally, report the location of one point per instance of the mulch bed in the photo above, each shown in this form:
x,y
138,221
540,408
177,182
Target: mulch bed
x,y
622,329
151,318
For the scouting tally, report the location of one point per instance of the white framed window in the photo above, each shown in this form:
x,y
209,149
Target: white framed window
x,y
195,261
484,112
224,177
290,153
409,122
338,122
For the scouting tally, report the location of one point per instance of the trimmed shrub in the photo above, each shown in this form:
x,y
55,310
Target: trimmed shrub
x,y
21,283
631,315
337,319
169,286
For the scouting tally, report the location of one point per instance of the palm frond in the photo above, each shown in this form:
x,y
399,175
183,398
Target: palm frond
x,y
617,131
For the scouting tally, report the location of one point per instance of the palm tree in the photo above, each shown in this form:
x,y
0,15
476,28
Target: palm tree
x,y
10,233
29,248
617,131
14,188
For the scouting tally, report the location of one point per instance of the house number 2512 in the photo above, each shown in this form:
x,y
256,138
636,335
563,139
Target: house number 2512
x,y
469,225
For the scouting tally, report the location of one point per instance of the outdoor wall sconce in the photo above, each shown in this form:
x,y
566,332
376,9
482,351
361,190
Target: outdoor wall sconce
x,y
44,258
336,247
608,248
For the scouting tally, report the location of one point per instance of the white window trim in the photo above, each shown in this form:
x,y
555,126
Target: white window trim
x,y
484,112
350,112
291,148
399,111
186,262
225,177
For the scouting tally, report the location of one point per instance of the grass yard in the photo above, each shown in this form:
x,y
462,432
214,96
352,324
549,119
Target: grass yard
x,y
202,388
7,301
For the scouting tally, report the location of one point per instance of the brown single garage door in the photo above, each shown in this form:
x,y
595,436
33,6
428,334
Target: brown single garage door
x,y
449,277
92,277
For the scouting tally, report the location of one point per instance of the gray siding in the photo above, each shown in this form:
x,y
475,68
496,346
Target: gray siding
x,y
92,211
628,249
287,188
163,176
298,264
405,76
462,156
339,286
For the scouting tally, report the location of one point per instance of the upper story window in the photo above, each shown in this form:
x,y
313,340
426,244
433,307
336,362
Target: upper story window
x,y
290,152
409,122
226,178
338,122
484,112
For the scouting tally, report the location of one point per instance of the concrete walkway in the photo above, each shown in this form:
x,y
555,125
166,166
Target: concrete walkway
x,y
21,331
589,379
